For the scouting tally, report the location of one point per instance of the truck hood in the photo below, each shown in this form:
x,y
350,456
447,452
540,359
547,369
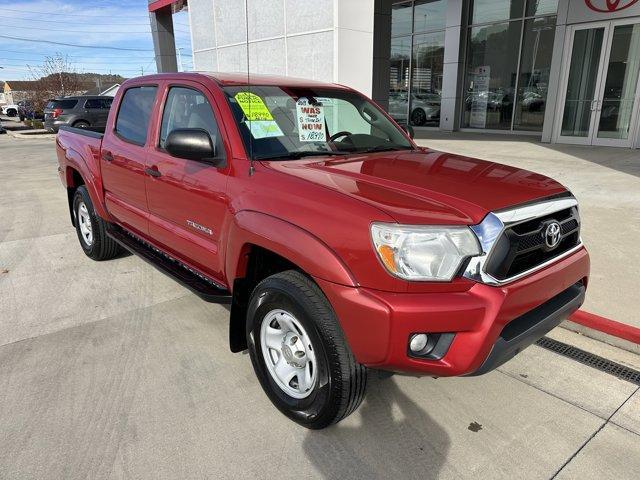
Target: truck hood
x,y
425,186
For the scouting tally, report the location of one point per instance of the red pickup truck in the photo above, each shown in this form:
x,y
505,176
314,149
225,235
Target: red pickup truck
x,y
340,244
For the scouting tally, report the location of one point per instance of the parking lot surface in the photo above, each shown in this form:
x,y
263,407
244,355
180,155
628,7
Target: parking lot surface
x,y
111,370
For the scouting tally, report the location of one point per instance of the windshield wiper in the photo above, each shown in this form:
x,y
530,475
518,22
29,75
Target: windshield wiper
x,y
384,148
303,153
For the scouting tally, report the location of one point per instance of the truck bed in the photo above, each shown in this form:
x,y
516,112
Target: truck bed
x,y
93,132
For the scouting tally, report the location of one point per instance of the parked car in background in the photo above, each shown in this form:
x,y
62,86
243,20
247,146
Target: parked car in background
x,y
9,110
81,112
425,108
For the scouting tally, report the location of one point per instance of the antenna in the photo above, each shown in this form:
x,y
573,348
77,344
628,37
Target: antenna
x,y
246,19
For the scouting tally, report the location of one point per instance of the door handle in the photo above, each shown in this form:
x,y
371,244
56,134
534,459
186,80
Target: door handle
x,y
153,171
106,156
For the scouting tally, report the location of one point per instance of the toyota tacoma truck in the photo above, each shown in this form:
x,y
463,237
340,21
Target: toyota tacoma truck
x,y
340,245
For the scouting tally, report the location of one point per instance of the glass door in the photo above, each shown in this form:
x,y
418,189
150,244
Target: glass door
x,y
601,90
618,100
581,84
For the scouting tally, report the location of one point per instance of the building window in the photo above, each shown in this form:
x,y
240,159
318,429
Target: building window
x,y
509,49
417,58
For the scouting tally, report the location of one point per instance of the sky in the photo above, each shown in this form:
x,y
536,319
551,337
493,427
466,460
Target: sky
x,y
116,34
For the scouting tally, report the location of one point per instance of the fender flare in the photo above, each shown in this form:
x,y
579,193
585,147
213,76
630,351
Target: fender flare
x,y
92,182
297,245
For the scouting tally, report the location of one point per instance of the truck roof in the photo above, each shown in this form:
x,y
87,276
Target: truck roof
x,y
237,78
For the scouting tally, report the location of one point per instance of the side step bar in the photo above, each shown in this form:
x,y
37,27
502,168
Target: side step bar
x,y
197,283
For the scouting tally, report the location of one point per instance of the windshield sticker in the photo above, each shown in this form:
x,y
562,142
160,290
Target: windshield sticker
x,y
253,107
258,117
264,129
310,119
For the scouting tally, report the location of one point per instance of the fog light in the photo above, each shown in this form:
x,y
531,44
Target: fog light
x,y
418,342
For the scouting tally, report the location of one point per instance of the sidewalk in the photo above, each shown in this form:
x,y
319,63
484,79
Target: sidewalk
x,y
606,182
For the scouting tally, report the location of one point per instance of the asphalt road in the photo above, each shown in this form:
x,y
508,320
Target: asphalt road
x,y
111,370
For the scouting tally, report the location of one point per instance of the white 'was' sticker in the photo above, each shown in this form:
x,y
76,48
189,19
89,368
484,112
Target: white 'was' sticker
x,y
310,120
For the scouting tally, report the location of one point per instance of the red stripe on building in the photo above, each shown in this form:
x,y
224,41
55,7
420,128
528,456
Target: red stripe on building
x,y
158,4
610,327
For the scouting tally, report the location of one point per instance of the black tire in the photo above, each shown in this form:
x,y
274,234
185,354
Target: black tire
x,y
81,124
12,112
341,381
418,117
102,247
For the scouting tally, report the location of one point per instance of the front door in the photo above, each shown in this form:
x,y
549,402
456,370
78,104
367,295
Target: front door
x,y
187,198
601,89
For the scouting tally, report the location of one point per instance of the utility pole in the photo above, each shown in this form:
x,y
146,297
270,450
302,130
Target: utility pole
x,y
180,59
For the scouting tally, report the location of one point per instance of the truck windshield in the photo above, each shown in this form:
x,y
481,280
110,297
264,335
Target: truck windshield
x,y
289,123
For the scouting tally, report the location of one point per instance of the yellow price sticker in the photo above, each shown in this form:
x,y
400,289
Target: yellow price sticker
x,y
253,107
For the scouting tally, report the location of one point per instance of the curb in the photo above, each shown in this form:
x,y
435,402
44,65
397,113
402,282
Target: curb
x,y
602,329
21,134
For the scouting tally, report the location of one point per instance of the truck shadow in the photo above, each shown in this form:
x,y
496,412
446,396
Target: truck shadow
x,y
393,438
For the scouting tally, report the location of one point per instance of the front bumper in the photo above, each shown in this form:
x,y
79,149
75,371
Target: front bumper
x,y
490,324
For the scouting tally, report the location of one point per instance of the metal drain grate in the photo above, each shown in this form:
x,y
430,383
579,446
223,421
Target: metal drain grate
x,y
591,360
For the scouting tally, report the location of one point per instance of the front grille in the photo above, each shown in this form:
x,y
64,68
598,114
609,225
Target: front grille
x,y
522,247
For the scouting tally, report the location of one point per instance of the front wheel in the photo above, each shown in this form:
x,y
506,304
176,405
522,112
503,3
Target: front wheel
x,y
299,352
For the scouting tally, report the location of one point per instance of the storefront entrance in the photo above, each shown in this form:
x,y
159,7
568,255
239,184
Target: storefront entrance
x,y
600,104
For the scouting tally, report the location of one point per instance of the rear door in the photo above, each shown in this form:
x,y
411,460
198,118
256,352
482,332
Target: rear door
x,y
123,157
187,198
97,111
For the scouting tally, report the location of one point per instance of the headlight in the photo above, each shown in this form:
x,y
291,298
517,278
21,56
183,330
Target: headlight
x,y
423,252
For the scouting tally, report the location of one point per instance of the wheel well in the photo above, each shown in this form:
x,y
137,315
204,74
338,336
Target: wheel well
x,y
74,180
260,264
80,120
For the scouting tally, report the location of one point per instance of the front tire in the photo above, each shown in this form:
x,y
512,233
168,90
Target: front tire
x,y
91,229
299,352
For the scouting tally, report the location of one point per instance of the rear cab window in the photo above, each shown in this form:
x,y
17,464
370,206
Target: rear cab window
x,y
132,122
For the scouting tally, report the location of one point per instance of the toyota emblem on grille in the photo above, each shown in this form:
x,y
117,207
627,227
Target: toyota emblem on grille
x,y
552,235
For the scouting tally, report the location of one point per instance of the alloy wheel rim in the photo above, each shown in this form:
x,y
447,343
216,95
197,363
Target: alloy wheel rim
x,y
84,220
288,353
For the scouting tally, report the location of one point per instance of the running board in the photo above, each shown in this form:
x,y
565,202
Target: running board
x,y
202,286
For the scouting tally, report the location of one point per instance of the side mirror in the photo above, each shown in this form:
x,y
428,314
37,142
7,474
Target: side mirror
x,y
192,144
409,130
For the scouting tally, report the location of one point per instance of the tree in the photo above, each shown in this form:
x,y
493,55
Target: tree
x,y
56,77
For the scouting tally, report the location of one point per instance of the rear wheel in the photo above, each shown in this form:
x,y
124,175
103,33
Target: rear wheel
x,y
12,112
81,124
299,352
91,229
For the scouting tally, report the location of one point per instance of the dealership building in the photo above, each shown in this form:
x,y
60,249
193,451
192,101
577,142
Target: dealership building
x,y
565,71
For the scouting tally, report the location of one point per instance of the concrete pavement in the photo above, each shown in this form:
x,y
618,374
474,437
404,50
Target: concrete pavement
x,y
111,370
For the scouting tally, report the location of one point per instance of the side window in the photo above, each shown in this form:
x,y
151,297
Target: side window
x,y
101,103
188,108
132,122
